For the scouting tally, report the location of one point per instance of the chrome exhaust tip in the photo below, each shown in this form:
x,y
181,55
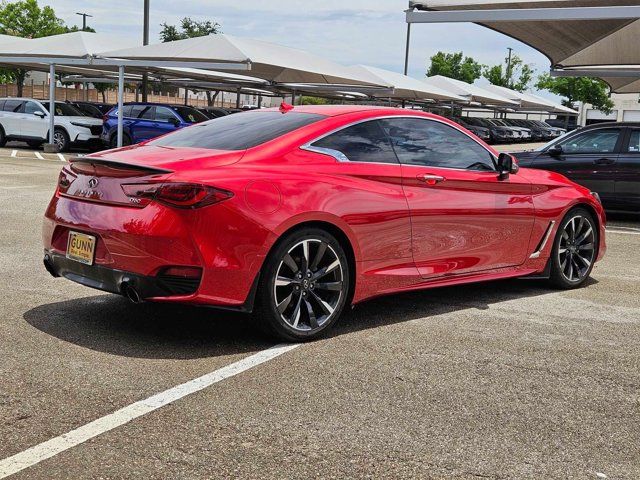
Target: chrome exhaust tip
x,y
131,293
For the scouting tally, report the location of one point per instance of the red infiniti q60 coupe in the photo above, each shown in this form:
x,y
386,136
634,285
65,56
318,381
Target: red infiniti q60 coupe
x,y
296,213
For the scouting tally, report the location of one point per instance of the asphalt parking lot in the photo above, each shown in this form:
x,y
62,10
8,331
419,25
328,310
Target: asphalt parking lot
x,y
497,380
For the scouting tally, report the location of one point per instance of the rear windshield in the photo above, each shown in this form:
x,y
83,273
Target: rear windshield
x,y
239,131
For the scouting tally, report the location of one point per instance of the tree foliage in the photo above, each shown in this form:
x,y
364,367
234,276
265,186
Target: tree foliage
x,y
518,76
578,89
456,66
26,19
188,29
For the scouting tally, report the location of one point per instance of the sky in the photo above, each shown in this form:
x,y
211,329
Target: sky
x,y
370,32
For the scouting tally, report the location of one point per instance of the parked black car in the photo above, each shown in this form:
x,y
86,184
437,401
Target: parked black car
x,y
93,109
497,133
480,132
604,158
214,112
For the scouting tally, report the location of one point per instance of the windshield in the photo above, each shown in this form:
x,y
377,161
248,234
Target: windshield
x,y
191,115
64,110
239,131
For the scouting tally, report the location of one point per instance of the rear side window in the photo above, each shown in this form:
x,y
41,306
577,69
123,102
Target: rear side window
x,y
434,144
12,105
363,142
164,114
239,131
634,142
135,111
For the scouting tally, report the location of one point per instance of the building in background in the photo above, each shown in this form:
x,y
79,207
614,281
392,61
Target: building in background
x,y
626,109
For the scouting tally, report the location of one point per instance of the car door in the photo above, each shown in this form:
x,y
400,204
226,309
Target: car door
x,y
34,123
12,117
627,181
464,218
376,208
166,121
136,126
588,158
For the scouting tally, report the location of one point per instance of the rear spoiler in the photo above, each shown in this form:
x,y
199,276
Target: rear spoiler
x,y
116,164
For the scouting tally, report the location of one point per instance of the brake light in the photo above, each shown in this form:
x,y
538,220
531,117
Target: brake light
x,y
64,180
181,195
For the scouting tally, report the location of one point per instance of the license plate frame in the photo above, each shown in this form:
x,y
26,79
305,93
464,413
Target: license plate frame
x,y
81,247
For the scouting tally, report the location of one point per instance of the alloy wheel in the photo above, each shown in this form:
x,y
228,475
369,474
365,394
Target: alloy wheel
x,y
577,248
59,140
309,285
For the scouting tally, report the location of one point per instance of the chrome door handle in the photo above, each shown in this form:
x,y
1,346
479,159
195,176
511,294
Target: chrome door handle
x,y
430,179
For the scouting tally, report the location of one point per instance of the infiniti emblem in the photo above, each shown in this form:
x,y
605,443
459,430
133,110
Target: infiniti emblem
x,y
93,183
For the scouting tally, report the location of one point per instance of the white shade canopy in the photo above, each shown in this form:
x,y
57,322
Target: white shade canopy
x,y
530,101
572,38
66,45
405,87
268,61
471,92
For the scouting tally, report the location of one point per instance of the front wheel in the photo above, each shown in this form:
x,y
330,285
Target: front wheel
x,y
304,285
61,140
574,250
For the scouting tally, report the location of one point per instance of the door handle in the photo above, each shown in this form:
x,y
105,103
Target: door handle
x,y
604,161
430,179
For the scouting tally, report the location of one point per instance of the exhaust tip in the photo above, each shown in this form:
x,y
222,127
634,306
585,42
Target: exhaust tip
x,y
131,293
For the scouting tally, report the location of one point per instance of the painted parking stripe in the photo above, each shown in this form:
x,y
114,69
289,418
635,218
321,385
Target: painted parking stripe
x,y
623,232
61,157
39,155
50,448
14,153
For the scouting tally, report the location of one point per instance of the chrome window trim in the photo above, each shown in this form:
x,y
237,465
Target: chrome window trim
x,y
341,157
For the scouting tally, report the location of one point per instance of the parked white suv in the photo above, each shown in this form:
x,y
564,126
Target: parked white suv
x,y
27,120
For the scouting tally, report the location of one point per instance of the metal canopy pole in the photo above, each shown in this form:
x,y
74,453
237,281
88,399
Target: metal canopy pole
x,y
51,147
238,98
120,102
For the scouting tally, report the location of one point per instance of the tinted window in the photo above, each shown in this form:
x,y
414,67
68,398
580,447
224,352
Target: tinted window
x,y
32,107
126,111
430,143
634,142
136,110
595,141
64,109
364,142
164,114
148,113
191,115
238,132
12,105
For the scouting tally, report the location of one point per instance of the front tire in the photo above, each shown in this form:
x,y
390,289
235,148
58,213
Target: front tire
x,y
61,140
304,286
574,250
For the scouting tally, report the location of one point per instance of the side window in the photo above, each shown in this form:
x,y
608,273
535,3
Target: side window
x,y
136,110
634,142
363,142
126,111
31,108
2,105
430,143
148,113
596,141
12,105
164,114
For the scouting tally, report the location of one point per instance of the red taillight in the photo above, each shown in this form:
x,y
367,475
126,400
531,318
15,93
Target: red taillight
x,y
182,195
64,180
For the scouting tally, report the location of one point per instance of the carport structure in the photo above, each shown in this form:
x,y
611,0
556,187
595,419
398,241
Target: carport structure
x,y
579,37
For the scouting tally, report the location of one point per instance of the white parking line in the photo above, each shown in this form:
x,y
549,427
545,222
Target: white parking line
x,y
56,445
61,157
37,154
623,232
14,153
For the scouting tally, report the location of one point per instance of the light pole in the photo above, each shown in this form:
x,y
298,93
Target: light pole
x,y
84,20
509,68
145,41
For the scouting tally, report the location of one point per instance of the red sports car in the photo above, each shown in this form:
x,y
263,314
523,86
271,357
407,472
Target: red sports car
x,y
297,213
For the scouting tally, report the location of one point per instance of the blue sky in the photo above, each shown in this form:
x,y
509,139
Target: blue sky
x,y
369,32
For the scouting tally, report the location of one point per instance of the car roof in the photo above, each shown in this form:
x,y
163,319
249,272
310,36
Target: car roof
x,y
335,110
610,125
170,105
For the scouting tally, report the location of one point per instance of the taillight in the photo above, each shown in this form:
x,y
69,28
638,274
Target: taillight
x,y
181,195
64,180
105,117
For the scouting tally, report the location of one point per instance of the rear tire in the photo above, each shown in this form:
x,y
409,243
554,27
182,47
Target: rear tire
x,y
304,286
3,138
113,142
575,250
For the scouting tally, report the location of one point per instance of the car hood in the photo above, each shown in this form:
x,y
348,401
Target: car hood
x,y
80,119
170,158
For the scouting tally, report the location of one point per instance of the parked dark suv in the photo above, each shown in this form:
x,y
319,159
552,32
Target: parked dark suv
x,y
604,158
143,121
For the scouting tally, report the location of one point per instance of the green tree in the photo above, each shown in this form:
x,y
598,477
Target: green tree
x,y
190,29
307,100
456,66
103,88
518,76
578,89
26,19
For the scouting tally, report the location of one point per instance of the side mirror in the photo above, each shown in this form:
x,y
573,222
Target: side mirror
x,y
555,151
39,113
507,165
